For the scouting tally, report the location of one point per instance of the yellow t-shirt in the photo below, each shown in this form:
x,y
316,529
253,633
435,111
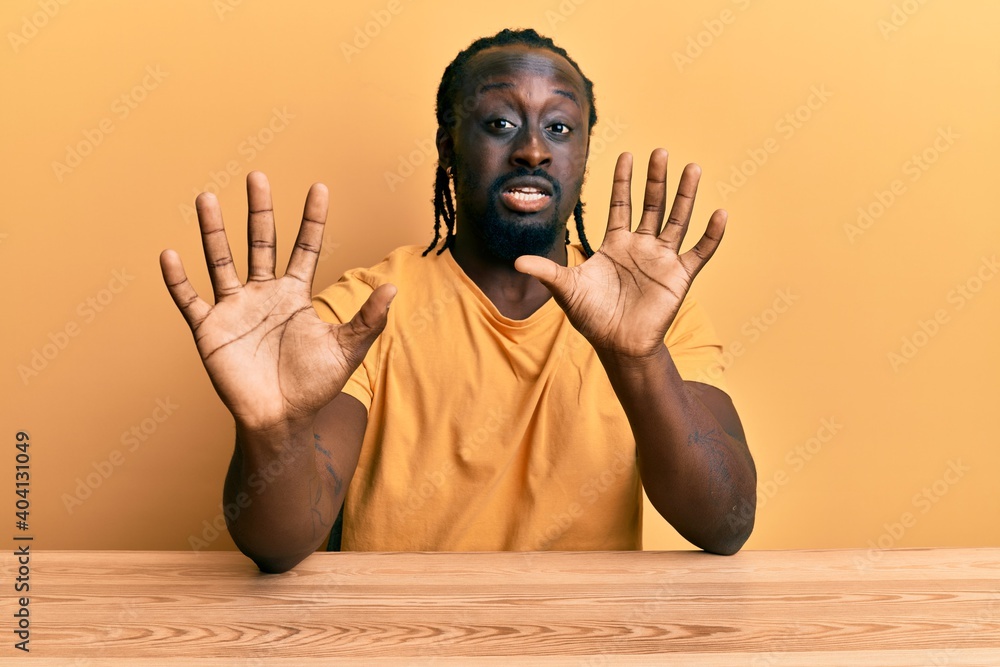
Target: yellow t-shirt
x,y
487,433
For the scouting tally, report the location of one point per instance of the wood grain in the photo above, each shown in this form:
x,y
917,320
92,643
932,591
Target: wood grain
x,y
896,607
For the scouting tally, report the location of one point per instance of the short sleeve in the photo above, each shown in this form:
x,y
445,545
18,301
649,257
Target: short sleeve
x,y
337,304
695,347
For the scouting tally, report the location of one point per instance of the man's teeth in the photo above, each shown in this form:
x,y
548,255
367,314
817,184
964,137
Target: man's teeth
x,y
528,195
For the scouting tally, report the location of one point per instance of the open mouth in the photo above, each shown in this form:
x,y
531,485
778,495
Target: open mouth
x,y
525,198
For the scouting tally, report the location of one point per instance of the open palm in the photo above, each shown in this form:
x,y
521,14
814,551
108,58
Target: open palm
x,y
625,297
272,360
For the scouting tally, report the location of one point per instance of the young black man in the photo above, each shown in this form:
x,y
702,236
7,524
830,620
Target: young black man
x,y
520,393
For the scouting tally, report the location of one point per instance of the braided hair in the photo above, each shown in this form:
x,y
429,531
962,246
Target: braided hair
x,y
444,204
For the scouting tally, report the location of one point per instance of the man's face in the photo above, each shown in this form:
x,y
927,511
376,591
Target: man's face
x,y
519,149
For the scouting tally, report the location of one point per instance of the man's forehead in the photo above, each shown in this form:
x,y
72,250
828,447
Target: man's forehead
x,y
501,64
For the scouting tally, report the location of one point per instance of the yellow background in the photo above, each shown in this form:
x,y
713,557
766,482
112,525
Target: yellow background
x,y
894,77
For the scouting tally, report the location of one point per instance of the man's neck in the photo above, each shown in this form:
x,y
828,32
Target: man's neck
x,y
514,294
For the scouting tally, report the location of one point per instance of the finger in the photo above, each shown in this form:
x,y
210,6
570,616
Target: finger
x,y
305,254
192,307
218,256
550,274
620,213
696,258
260,228
680,213
654,201
360,332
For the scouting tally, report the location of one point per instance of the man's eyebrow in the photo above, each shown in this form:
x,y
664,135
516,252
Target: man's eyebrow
x,y
505,85
569,94
486,87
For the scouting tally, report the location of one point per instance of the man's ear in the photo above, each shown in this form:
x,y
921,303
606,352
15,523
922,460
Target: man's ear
x,y
446,148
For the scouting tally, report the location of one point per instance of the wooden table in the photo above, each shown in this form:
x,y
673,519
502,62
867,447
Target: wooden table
x,y
760,608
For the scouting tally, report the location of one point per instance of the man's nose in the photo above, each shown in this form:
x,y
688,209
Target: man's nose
x,y
531,150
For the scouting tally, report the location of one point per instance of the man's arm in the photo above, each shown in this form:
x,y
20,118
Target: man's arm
x,y
287,488
279,370
693,458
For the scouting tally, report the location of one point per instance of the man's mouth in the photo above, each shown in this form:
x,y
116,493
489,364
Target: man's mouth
x,y
525,198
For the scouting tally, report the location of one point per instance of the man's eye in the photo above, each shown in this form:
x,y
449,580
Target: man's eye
x,y
501,124
560,128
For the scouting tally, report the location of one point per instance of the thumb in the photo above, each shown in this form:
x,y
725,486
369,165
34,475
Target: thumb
x,y
547,272
370,320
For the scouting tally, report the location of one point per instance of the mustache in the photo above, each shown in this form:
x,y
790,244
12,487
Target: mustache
x,y
498,185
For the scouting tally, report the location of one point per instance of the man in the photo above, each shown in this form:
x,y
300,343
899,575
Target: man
x,y
521,390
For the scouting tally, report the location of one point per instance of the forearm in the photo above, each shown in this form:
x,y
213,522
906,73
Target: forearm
x,y
697,475
285,505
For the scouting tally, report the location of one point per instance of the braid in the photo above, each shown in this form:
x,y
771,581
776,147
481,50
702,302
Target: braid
x,y
444,208
447,116
578,216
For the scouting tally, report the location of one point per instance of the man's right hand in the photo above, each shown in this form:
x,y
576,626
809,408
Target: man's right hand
x,y
272,360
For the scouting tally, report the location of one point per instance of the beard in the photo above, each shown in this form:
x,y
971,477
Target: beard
x,y
507,235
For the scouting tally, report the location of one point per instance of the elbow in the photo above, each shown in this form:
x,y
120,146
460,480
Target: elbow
x,y
735,529
268,554
729,545
274,565
268,559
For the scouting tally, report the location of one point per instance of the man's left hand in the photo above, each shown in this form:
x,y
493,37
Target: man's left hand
x,y
625,297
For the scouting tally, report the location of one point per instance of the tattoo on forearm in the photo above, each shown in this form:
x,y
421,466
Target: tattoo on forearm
x,y
338,484
319,522
714,447
712,437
